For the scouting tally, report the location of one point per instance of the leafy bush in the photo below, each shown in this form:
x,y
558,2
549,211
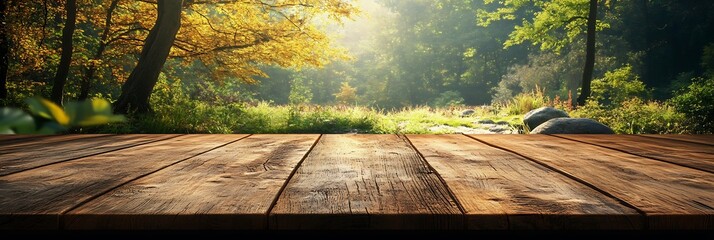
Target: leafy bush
x,y
696,102
617,86
635,116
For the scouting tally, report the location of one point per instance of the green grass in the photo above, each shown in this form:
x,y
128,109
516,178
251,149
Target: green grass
x,y
181,115
263,117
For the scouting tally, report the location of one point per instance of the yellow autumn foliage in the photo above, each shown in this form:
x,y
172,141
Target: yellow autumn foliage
x,y
230,38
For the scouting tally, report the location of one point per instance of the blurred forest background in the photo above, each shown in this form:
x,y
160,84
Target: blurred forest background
x,y
367,66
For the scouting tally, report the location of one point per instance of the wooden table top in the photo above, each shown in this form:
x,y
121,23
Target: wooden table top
x,y
357,182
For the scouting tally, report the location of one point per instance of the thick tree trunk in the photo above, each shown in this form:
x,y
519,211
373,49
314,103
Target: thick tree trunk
x,y
91,71
4,50
67,48
138,87
589,55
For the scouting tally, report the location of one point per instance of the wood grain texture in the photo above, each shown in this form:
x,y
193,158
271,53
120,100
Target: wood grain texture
x,y
10,144
365,182
672,197
34,199
693,155
228,188
10,138
500,190
28,157
707,139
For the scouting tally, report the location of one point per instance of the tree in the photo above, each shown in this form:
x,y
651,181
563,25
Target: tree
x,y
589,55
67,49
232,39
90,73
300,92
347,94
138,87
4,50
554,25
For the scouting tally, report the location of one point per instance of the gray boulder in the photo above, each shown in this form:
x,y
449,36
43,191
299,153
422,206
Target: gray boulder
x,y
467,112
572,126
536,117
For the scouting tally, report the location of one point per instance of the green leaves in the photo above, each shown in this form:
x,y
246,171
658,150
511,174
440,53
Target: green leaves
x,y
88,113
554,24
53,118
15,121
46,109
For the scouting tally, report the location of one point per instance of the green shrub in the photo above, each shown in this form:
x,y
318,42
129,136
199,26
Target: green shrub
x,y
697,103
636,116
618,86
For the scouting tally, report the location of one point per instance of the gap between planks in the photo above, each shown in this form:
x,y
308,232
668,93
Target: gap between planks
x,y
636,154
324,196
10,144
88,155
95,196
438,175
285,184
586,183
228,188
671,196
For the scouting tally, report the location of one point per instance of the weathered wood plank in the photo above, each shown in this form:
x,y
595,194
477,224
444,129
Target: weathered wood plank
x,y
34,199
687,154
500,190
25,142
29,157
228,188
672,197
707,139
364,182
5,138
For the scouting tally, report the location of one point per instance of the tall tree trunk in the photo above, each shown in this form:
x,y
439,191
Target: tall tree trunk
x,y
67,48
138,87
4,50
91,71
589,55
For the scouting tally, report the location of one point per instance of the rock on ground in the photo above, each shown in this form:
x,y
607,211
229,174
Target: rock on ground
x,y
536,117
467,112
572,126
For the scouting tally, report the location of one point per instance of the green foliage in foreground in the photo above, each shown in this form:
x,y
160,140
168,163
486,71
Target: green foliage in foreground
x,y
46,117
